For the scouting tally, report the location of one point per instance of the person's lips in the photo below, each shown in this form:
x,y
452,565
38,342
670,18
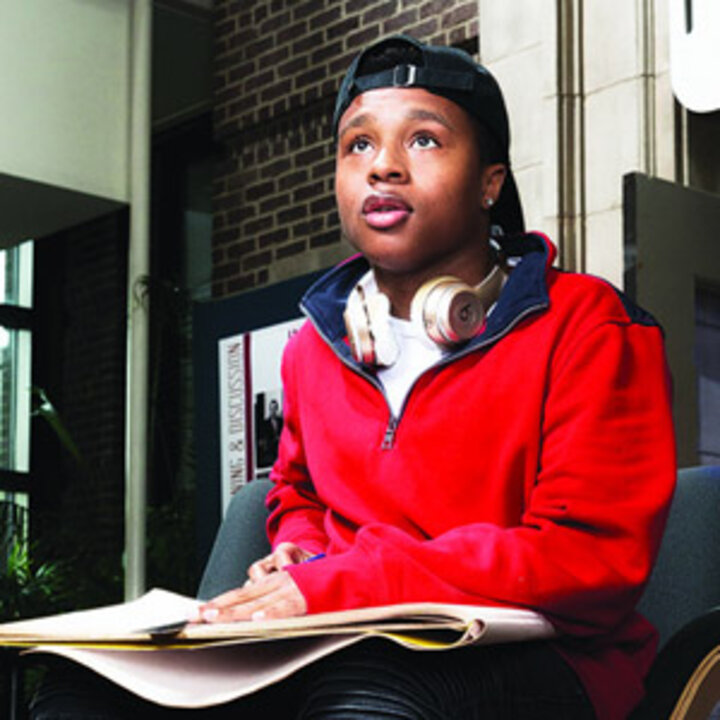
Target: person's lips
x,y
385,211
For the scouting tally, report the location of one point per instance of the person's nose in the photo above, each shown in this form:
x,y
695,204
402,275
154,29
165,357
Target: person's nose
x,y
388,166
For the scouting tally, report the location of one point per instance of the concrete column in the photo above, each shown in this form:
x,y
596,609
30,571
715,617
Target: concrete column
x,y
136,432
588,91
571,135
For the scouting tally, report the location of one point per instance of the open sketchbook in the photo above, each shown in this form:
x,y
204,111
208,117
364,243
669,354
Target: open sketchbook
x,y
146,646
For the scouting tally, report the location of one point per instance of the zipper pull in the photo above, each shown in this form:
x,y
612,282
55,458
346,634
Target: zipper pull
x,y
389,439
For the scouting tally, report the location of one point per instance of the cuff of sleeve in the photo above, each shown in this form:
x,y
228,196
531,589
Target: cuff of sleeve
x,y
334,583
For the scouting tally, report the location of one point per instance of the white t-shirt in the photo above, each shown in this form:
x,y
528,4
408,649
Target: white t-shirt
x,y
417,353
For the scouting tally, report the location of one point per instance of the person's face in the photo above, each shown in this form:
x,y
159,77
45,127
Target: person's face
x,y
410,184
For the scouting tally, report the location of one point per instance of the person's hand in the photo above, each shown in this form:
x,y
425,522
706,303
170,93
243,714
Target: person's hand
x,y
286,553
274,595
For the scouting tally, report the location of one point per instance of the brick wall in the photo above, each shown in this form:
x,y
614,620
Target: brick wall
x,y
79,360
278,66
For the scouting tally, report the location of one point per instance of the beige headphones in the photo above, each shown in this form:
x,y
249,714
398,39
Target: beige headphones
x,y
450,311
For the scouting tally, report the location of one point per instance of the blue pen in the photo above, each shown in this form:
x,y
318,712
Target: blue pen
x,y
314,557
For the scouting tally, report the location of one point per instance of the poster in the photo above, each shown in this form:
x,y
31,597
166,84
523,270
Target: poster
x,y
250,403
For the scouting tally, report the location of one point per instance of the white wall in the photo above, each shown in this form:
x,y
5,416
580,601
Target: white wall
x,y
64,93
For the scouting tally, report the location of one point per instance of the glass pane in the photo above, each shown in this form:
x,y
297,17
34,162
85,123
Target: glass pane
x,y
15,399
13,523
16,268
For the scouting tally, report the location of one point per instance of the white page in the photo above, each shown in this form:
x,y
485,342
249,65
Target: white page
x,y
205,676
157,607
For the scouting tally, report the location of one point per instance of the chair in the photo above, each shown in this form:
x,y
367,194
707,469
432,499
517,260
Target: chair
x,y
682,598
239,542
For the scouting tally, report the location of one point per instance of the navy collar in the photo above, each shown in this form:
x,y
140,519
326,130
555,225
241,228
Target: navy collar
x,y
525,291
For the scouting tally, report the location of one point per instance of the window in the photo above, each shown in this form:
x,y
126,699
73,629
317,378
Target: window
x,y
16,272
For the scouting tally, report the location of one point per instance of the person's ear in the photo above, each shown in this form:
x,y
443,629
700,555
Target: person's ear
x,y
492,180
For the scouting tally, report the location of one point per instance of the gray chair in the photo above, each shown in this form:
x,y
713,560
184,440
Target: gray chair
x,y
240,541
686,580
682,598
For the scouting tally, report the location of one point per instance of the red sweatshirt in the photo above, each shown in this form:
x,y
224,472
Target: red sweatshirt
x,y
533,467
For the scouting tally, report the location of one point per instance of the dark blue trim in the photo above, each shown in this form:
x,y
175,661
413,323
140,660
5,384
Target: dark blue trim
x,y
525,290
635,312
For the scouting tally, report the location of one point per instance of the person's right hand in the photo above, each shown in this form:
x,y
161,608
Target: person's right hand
x,y
286,553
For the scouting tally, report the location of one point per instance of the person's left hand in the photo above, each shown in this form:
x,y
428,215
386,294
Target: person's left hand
x,y
273,596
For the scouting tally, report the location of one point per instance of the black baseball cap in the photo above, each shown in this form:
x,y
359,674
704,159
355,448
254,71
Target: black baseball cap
x,y
453,74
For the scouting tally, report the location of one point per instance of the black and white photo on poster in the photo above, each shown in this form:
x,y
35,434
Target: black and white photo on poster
x,y
266,349
250,403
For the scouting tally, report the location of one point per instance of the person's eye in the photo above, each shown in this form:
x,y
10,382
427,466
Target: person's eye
x,y
424,142
359,145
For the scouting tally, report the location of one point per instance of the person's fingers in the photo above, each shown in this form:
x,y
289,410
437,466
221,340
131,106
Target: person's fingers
x,y
275,596
284,554
261,568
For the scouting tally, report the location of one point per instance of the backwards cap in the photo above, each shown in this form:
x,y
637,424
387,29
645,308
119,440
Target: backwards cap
x,y
454,75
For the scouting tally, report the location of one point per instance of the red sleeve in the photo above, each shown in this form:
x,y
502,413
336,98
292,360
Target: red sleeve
x,y
592,523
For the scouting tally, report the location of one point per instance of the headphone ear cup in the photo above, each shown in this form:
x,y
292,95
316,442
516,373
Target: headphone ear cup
x,y
367,320
358,328
449,310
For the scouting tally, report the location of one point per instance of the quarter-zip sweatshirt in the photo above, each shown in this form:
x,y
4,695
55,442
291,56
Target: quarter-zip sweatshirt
x,y
531,467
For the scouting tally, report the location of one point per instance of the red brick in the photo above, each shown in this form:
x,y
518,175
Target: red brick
x,y
277,167
255,226
341,29
379,12
293,66
292,32
289,250
423,29
255,192
274,203
292,180
275,22
308,227
310,42
293,214
460,14
276,90
324,19
432,8
252,262
400,21
305,9
363,37
238,250
326,51
273,238
324,239
236,285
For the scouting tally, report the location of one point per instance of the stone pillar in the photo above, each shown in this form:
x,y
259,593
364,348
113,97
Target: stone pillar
x,y
588,90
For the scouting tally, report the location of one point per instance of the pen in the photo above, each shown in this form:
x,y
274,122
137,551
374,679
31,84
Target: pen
x,y
312,558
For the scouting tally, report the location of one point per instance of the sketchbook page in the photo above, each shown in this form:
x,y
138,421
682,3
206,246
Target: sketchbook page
x,y
202,677
403,617
123,623
210,675
111,622
486,626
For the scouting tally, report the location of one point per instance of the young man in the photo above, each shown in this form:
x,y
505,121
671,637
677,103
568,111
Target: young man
x,y
462,423
530,464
